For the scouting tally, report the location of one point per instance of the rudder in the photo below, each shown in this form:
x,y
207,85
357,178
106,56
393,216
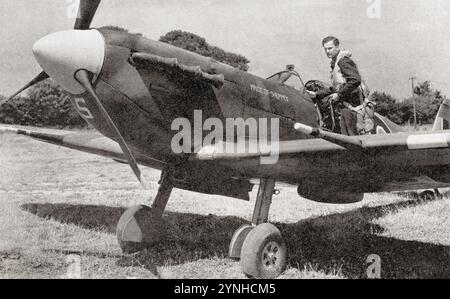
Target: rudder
x,y
442,121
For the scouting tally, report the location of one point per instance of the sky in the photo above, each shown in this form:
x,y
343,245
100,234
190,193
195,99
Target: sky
x,y
390,40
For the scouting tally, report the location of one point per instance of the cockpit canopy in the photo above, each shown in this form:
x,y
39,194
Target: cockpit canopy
x,y
283,76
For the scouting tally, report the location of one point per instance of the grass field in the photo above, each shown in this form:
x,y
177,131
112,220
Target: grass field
x,y
57,204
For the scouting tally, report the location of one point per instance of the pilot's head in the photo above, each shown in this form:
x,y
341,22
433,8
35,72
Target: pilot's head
x,y
331,46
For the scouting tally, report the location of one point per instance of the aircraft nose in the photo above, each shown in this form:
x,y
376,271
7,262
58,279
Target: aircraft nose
x,y
62,54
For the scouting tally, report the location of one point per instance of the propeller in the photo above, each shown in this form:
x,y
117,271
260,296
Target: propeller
x,y
44,53
83,77
86,13
41,77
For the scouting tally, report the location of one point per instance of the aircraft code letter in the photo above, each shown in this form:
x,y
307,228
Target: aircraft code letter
x,y
81,107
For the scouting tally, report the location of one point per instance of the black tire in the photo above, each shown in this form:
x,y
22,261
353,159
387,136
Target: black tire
x,y
140,225
264,253
427,195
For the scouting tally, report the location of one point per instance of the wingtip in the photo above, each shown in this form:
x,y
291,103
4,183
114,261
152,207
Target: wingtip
x,y
5,129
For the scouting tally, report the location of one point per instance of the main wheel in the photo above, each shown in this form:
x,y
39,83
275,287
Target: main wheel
x,y
427,195
264,252
138,228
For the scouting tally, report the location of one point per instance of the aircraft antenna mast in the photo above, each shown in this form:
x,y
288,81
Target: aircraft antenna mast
x,y
414,101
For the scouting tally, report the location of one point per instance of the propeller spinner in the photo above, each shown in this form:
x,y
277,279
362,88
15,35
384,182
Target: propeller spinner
x,y
86,13
62,54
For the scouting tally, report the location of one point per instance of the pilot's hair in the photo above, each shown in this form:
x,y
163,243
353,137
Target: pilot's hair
x,y
333,39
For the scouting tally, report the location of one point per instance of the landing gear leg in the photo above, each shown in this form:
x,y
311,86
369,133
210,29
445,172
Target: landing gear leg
x,y
141,226
263,201
262,249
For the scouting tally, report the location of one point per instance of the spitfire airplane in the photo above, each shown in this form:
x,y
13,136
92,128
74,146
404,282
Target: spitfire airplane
x,y
131,89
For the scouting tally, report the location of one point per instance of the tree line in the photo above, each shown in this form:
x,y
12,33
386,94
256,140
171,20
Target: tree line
x,y
426,99
47,104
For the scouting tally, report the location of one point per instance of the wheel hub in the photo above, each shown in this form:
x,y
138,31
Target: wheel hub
x,y
270,255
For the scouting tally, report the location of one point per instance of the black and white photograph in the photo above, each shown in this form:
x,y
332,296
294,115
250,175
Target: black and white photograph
x,y
225,141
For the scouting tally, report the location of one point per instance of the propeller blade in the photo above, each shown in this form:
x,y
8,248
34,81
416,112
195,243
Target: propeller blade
x,y
86,13
41,77
82,77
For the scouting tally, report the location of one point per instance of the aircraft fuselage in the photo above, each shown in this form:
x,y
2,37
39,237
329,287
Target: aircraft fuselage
x,y
144,104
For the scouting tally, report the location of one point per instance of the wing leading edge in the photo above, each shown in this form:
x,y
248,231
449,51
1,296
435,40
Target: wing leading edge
x,y
89,142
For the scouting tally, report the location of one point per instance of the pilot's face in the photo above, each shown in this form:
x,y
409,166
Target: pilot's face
x,y
331,49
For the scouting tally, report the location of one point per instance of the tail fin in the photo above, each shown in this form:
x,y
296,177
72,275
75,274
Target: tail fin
x,y
442,121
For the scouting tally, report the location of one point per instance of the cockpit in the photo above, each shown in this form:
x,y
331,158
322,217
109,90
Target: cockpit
x,y
328,113
327,116
284,77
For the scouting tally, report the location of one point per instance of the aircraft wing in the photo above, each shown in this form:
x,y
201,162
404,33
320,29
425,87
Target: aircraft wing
x,y
361,144
89,142
95,143
374,163
394,162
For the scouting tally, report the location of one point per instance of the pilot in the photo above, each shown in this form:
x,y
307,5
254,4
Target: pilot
x,y
345,91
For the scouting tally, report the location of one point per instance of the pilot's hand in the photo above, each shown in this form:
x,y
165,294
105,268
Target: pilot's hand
x,y
334,97
312,94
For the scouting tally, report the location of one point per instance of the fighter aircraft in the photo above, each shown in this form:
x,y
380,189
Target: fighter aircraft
x,y
131,89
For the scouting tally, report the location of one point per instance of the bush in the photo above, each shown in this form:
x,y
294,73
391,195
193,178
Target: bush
x,y
387,106
426,109
426,99
194,43
47,104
